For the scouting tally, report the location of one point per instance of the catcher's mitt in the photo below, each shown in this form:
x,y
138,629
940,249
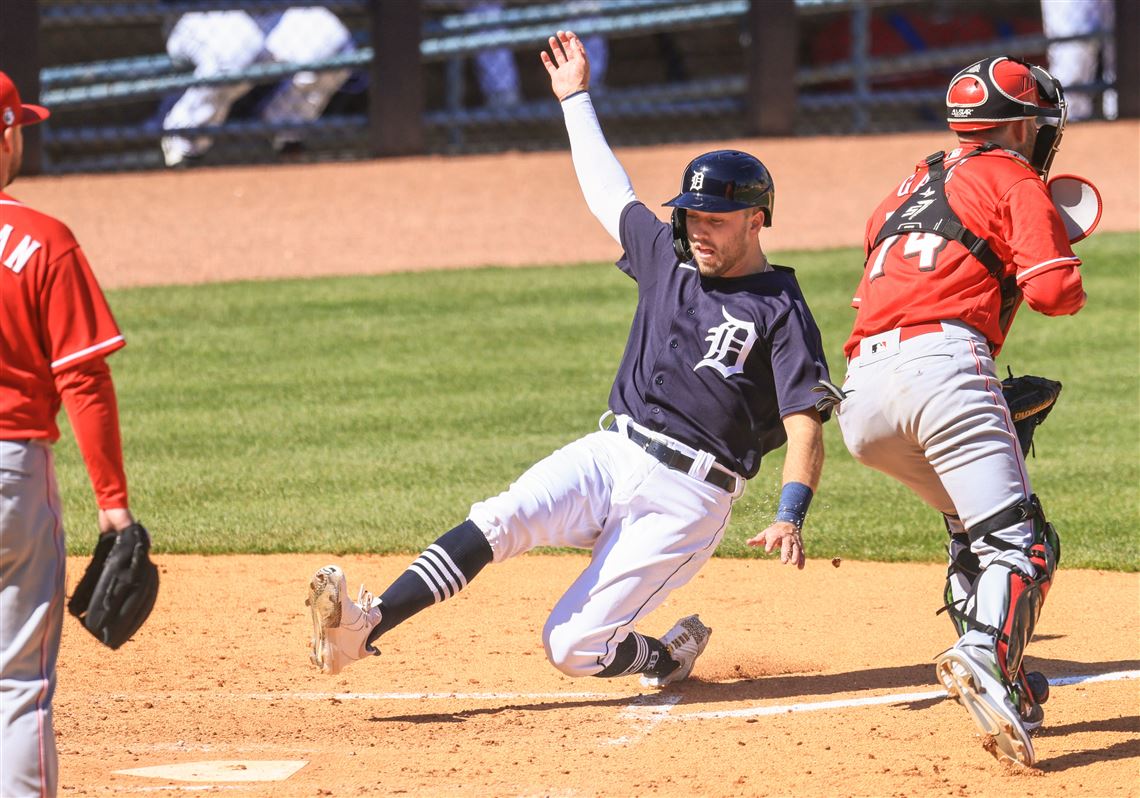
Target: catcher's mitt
x,y
118,589
1030,399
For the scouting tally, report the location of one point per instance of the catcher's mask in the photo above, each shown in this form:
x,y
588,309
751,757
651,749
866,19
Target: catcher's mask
x,y
721,181
1002,89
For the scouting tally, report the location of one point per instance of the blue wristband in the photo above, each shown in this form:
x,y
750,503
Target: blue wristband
x,y
795,499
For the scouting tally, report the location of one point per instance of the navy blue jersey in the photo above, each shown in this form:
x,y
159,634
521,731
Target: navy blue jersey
x,y
715,363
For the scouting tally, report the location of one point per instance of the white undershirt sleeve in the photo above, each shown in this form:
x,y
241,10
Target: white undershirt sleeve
x,y
604,183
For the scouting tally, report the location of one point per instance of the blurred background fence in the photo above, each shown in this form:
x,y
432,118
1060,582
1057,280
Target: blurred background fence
x,y
181,83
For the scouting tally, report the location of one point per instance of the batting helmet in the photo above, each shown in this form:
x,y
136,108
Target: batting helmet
x,y
1001,89
720,181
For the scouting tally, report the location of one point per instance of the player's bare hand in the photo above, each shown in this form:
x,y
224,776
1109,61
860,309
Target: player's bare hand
x,y
567,64
785,536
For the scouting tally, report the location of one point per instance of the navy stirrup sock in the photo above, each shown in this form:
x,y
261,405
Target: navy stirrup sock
x,y
638,654
444,568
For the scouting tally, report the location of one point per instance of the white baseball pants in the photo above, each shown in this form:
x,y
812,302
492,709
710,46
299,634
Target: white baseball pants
x,y
650,529
929,412
32,562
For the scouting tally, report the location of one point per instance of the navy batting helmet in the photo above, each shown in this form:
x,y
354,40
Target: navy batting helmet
x,y
720,181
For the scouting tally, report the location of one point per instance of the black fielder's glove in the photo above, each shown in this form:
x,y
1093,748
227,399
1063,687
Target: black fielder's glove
x,y
1030,399
118,589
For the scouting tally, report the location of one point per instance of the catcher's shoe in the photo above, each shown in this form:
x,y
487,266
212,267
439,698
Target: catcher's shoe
x,y
1032,692
340,625
684,642
970,677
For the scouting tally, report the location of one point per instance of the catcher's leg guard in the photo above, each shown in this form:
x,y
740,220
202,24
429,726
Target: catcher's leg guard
x,y
1005,599
961,573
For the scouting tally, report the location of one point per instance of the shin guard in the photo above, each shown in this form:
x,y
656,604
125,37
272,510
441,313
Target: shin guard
x,y
1005,600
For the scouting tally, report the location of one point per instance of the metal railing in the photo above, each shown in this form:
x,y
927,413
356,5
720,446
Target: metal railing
x,y
857,87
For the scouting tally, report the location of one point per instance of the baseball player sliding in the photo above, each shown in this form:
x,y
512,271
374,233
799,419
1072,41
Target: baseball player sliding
x,y
55,332
951,254
718,371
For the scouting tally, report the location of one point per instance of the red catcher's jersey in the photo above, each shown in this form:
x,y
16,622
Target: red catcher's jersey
x,y
52,316
923,277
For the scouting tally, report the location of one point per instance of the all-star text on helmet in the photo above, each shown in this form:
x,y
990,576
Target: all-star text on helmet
x,y
720,181
1000,89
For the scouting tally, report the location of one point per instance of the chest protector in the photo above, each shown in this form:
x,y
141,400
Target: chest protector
x,y
928,211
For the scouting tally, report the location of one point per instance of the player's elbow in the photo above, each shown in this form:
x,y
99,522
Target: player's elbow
x,y
1060,305
1056,293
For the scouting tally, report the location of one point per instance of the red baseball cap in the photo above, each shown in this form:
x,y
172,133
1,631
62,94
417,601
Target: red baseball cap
x,y
12,111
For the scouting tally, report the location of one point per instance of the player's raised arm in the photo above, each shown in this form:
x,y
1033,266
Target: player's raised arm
x,y
605,185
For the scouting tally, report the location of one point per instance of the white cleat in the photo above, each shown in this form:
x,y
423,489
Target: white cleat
x,y
684,642
969,677
340,625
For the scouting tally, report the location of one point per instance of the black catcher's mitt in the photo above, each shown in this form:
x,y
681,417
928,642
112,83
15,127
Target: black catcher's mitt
x,y
1030,399
118,589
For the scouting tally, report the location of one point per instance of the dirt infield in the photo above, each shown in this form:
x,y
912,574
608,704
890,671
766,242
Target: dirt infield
x,y
815,683
515,209
462,701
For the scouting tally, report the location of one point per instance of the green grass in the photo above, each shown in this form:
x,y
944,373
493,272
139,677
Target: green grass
x,y
366,414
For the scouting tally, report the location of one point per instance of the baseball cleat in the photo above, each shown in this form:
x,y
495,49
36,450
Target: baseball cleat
x,y
340,625
972,682
1032,692
684,642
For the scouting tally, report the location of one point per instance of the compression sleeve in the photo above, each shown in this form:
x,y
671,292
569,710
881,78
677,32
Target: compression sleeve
x,y
604,183
89,396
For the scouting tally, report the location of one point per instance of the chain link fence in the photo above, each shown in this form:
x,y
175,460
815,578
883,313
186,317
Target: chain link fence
x,y
175,83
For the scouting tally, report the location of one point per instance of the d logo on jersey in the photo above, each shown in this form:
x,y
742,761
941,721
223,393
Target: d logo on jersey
x,y
729,345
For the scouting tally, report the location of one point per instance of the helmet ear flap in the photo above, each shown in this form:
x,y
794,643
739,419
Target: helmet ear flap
x,y
681,236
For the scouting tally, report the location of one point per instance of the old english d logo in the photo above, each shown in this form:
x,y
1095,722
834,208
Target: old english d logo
x,y
729,345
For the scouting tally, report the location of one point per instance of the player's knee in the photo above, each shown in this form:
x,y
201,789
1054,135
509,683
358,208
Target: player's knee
x,y
568,652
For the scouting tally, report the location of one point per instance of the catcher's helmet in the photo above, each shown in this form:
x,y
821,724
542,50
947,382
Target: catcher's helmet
x,y
720,181
1001,89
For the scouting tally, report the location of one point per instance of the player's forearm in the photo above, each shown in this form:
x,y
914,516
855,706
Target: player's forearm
x,y
604,182
803,462
89,396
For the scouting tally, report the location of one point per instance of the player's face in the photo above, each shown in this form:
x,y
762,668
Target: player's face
x,y
1026,135
720,241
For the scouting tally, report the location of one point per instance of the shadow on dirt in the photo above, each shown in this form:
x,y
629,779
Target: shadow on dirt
x,y
808,687
621,701
804,687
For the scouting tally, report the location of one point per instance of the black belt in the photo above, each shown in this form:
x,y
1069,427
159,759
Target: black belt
x,y
660,450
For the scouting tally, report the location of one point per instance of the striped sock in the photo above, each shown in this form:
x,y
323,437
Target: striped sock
x,y
637,654
444,568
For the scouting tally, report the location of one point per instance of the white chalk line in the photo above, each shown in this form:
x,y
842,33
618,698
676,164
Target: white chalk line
x,y
212,695
651,705
646,712
191,787
890,698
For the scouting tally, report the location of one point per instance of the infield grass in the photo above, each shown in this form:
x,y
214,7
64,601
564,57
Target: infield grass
x,y
366,414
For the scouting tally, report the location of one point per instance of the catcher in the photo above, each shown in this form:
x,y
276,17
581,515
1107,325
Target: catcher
x,y
55,333
952,252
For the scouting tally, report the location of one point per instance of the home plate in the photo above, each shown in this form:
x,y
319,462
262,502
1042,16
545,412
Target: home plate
x,y
222,770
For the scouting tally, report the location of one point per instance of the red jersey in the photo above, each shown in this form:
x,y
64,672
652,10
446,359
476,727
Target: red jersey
x,y
922,277
55,329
